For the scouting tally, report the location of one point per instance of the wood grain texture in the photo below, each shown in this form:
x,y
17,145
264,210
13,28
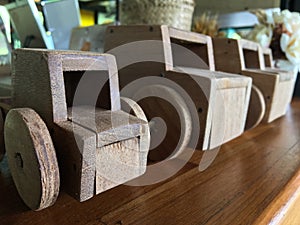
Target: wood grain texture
x,y
49,86
76,155
277,93
201,90
282,98
39,82
162,96
90,159
267,83
284,208
200,44
110,127
201,84
244,54
130,33
228,48
119,163
247,176
89,141
46,95
248,59
32,158
223,98
229,115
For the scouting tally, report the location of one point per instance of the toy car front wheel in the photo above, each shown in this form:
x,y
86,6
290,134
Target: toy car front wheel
x,y
129,105
31,158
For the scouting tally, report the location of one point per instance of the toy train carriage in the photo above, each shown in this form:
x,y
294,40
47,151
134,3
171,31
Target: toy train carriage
x,y
247,58
98,145
220,99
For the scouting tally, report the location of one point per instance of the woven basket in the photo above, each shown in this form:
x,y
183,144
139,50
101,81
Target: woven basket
x,y
175,13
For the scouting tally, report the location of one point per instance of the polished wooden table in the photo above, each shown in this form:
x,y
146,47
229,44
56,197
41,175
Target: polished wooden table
x,y
254,179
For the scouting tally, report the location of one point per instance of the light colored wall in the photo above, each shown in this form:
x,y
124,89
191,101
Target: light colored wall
x,y
227,6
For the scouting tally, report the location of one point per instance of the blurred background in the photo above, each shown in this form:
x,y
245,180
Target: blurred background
x,y
74,24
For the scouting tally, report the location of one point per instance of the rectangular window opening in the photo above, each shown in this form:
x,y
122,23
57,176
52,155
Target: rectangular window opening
x,y
94,88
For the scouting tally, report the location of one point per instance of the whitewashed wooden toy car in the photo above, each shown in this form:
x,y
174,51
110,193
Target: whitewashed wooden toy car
x,y
48,135
220,99
273,88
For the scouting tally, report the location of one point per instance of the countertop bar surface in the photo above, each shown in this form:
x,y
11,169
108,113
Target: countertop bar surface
x,y
255,179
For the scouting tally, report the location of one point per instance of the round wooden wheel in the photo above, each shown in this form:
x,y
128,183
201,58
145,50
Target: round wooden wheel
x,y
169,120
257,108
2,146
31,158
129,105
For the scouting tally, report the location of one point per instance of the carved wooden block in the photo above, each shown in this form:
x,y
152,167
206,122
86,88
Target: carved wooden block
x,y
219,101
98,145
247,58
288,78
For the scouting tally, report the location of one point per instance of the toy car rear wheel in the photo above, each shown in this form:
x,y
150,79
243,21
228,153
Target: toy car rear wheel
x,y
169,118
31,158
257,108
